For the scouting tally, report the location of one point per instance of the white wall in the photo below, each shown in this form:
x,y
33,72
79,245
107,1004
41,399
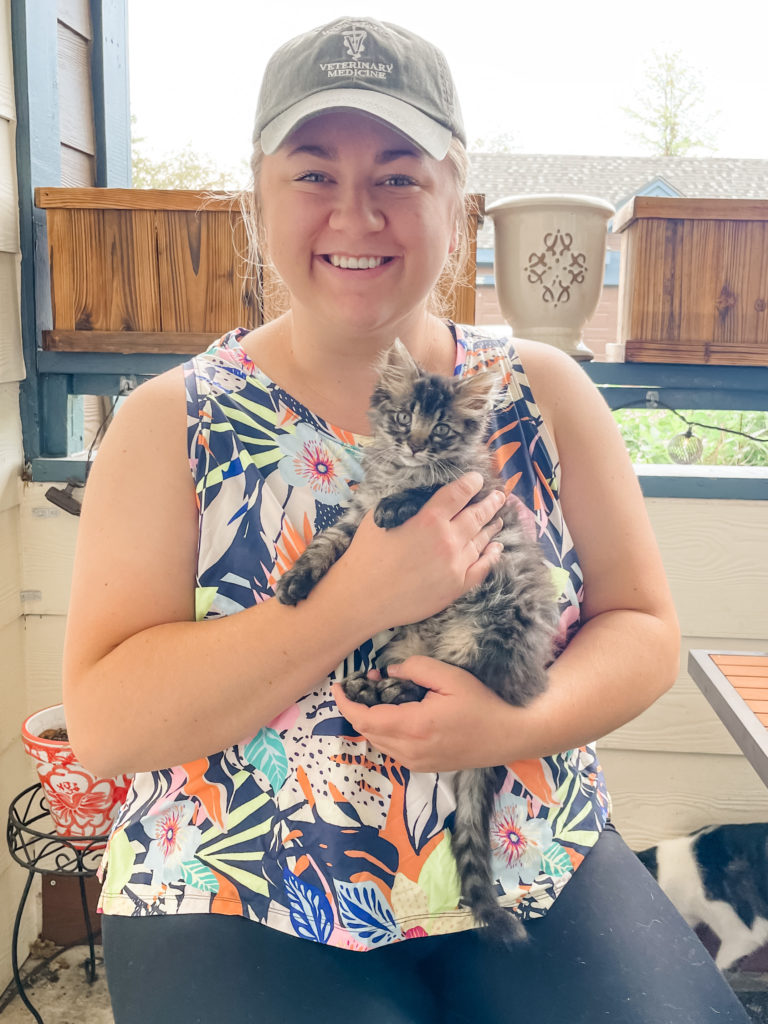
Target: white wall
x,y
16,771
675,767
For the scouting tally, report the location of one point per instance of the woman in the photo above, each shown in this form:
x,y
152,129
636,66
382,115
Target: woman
x,y
298,829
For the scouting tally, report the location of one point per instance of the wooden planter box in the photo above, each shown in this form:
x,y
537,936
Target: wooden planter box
x,y
145,270
694,280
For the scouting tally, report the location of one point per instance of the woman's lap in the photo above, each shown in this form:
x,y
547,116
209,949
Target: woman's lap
x,y
612,947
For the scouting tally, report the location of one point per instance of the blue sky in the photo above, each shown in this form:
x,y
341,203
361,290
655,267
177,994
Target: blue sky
x,y
553,75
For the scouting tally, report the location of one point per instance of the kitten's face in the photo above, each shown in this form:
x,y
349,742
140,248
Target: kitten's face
x,y
426,417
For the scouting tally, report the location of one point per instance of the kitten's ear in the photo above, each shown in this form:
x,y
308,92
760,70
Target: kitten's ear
x,y
478,393
396,365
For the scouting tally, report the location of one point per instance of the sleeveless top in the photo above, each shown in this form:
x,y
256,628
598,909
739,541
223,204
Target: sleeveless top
x,y
301,827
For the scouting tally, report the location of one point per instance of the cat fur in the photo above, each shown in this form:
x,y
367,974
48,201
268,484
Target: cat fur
x,y
718,876
501,631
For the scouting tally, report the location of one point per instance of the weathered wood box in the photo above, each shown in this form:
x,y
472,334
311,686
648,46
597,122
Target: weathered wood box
x,y
145,270
694,280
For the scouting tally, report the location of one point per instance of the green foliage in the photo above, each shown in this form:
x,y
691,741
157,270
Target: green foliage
x,y
183,168
647,433
668,108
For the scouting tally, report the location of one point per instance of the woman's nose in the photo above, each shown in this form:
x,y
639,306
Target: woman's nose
x,y
356,212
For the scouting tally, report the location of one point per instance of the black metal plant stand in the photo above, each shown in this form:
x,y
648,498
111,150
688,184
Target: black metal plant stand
x,y
33,843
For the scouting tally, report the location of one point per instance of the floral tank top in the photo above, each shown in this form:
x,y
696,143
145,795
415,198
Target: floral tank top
x,y
305,827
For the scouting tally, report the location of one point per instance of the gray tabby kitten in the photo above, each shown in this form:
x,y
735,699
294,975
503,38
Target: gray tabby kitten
x,y
428,431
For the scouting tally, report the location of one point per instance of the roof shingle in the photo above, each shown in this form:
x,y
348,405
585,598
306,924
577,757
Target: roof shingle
x,y
615,178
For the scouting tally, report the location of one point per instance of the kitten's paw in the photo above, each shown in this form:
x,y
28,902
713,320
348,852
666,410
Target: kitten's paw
x,y
296,584
381,691
399,691
361,689
394,510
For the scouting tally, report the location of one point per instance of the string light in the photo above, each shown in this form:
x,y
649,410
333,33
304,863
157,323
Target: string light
x,y
686,448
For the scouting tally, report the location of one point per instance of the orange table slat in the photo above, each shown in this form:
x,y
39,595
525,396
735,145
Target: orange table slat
x,y
750,661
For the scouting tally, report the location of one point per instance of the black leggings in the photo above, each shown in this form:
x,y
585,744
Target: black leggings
x,y
612,948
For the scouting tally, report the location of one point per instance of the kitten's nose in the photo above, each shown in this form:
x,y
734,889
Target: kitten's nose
x,y
417,446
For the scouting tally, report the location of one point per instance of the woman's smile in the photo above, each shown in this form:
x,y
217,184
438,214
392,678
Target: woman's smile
x,y
357,262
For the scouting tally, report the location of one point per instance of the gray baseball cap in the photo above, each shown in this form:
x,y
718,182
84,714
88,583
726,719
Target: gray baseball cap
x,y
360,64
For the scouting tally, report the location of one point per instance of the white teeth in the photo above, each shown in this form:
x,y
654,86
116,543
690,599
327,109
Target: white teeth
x,y
356,262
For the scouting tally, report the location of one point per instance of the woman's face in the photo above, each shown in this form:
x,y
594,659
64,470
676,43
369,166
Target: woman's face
x,y
359,221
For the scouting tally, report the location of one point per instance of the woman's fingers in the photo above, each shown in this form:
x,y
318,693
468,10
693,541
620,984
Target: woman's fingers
x,y
454,502
480,569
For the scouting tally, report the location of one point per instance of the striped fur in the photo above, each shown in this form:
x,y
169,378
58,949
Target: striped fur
x,y
501,631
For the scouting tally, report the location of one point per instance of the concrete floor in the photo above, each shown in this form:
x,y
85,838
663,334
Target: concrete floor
x,y
60,992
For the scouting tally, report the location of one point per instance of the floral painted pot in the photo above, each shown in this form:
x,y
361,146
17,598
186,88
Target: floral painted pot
x,y
549,263
81,804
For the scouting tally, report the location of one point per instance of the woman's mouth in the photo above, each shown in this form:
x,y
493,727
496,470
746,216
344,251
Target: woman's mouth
x,y
356,262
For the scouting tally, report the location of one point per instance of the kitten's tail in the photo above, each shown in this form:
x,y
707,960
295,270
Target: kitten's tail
x,y
475,791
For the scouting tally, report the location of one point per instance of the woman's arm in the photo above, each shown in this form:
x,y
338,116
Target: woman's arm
x,y
145,686
624,656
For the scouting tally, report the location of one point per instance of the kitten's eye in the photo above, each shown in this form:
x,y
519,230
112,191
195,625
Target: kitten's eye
x,y
402,418
441,430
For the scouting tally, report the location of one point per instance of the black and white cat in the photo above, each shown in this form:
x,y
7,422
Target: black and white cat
x,y
718,876
428,431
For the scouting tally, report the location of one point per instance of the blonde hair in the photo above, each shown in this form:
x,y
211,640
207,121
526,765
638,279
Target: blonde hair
x,y
273,297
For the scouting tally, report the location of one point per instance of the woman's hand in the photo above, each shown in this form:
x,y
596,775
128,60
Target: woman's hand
x,y
460,723
410,572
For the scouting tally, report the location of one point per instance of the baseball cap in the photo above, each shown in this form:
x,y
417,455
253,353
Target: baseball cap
x,y
360,64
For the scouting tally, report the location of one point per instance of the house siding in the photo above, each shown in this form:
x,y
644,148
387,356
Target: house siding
x,y
16,771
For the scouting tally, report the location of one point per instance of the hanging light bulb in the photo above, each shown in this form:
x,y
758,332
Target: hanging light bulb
x,y
685,449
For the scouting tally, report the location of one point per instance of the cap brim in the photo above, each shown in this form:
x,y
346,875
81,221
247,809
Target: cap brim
x,y
428,135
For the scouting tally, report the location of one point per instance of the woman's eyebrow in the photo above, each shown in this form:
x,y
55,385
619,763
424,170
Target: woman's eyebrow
x,y
386,156
314,150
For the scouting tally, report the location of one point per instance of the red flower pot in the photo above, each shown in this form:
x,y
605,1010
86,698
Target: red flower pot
x,y
81,804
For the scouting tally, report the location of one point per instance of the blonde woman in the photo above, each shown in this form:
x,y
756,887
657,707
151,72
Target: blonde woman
x,y
284,854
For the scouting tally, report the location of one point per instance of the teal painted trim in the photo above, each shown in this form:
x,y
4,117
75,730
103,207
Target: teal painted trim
x,y
682,386
653,486
143,364
718,488
54,400
111,101
686,375
38,163
103,383
682,398
44,470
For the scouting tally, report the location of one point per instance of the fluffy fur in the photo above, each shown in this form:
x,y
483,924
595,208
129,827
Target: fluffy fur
x,y
429,430
718,877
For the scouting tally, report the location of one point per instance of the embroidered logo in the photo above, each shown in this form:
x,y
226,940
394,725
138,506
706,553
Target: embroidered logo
x,y
354,38
354,42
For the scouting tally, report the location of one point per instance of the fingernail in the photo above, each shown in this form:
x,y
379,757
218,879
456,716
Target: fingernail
x,y
495,549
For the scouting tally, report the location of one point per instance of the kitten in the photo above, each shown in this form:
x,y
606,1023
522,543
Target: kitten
x,y
428,431
718,876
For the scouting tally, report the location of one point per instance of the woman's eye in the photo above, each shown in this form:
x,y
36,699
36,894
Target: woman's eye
x,y
403,419
399,180
311,176
441,430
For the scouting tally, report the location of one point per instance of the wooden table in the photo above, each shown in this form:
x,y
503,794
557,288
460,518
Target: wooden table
x,y
736,685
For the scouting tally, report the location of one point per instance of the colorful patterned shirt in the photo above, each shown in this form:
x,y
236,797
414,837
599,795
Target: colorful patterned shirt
x,y
306,827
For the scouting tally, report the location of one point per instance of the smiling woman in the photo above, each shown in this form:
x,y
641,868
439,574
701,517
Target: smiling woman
x,y
276,830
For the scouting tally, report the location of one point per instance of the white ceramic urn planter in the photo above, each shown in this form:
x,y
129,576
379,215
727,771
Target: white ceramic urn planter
x,y
549,264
